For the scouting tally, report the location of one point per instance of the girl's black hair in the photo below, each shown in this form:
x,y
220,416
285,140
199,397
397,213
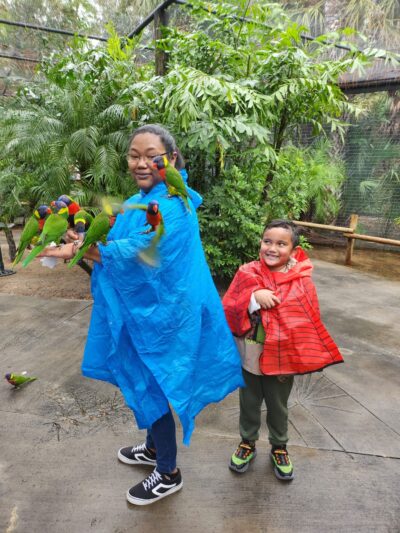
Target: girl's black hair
x,y
166,138
285,224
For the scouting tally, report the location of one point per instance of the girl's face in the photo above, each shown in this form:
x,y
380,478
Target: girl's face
x,y
144,147
276,248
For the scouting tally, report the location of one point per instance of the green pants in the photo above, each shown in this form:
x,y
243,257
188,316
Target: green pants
x,y
275,394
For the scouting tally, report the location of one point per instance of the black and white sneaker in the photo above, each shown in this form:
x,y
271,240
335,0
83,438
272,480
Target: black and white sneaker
x,y
154,487
138,455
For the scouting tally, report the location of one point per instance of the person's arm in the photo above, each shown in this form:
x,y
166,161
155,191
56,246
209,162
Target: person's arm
x,y
69,250
265,298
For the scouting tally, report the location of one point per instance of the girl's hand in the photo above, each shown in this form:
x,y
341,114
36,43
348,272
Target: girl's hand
x,y
66,251
266,298
71,236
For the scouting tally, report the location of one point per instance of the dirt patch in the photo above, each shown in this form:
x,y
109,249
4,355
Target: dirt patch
x,y
37,280
74,283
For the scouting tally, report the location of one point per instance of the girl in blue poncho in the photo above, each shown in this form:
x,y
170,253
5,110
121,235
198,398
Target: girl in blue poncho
x,y
159,334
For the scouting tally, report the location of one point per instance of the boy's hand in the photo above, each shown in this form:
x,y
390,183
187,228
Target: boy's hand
x,y
266,298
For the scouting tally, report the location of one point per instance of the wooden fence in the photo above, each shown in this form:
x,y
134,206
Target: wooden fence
x,y
351,237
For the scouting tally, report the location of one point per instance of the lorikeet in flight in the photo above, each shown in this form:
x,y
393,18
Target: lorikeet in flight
x,y
18,379
54,228
173,179
32,229
154,219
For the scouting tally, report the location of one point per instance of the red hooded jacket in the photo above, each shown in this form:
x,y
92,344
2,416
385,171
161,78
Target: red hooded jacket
x,y
296,340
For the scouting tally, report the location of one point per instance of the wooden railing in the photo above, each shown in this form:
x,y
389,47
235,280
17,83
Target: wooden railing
x,y
348,232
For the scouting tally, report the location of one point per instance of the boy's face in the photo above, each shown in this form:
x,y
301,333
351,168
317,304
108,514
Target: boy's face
x,y
276,248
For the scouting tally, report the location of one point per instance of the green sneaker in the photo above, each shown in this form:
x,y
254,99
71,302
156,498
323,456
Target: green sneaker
x,y
245,453
283,468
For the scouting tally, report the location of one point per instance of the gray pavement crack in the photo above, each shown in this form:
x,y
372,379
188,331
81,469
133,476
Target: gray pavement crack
x,y
364,407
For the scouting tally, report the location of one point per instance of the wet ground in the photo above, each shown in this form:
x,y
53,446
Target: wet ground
x,y
60,434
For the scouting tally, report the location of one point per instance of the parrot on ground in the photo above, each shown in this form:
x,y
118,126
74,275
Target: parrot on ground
x,y
18,379
31,230
172,178
82,221
154,219
54,228
73,207
97,231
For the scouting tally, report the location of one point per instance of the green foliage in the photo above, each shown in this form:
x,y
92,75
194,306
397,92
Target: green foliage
x,y
236,95
231,222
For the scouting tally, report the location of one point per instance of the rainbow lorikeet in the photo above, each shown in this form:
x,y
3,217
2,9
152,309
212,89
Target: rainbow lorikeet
x,y
97,231
82,221
173,179
54,228
154,219
18,379
73,207
32,229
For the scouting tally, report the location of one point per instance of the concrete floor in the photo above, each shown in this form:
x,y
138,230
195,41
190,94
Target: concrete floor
x,y
59,435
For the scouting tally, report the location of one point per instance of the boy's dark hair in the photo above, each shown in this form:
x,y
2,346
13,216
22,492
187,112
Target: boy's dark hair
x,y
166,138
285,224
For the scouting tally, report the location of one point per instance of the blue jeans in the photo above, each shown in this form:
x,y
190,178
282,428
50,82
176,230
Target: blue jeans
x,y
162,437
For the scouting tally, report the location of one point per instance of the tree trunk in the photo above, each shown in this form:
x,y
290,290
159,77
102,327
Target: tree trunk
x,y
12,249
160,19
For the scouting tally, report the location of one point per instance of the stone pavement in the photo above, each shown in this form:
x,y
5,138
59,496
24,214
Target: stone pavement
x,y
59,435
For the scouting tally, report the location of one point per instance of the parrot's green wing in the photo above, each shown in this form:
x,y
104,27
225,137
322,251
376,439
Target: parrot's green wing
x,y
53,229
150,254
176,185
30,231
97,232
18,380
125,207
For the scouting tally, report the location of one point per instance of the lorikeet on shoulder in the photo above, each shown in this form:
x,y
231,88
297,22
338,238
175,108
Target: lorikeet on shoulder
x,y
173,179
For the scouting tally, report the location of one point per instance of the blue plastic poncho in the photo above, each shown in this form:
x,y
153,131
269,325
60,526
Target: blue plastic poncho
x,y
160,334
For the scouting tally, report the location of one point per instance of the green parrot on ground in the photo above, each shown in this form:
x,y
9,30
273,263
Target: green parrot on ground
x,y
32,229
97,231
154,219
54,228
18,379
173,179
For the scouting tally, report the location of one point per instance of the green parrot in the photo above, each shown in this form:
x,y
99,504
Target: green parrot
x,y
31,230
97,231
82,221
18,379
173,179
54,228
154,218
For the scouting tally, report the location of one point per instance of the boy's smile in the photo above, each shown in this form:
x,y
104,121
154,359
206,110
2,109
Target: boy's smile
x,y
276,248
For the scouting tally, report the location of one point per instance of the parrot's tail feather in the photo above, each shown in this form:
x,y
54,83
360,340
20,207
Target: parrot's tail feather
x,y
36,251
78,256
18,257
185,201
150,256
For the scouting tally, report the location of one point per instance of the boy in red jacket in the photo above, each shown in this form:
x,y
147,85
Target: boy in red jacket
x,y
272,310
